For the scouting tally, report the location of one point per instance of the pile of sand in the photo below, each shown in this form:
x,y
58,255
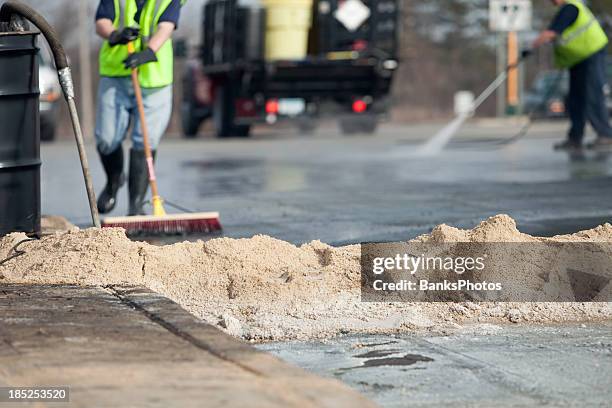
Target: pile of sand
x,y
51,224
263,288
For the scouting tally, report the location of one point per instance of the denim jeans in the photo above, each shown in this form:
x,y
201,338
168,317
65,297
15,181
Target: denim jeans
x,y
586,100
116,110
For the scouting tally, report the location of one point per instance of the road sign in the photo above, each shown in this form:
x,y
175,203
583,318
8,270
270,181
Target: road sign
x,y
510,15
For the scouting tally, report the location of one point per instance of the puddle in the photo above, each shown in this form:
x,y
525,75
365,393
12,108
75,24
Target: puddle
x,y
224,164
378,353
405,360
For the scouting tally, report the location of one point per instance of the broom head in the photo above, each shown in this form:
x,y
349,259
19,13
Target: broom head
x,y
170,224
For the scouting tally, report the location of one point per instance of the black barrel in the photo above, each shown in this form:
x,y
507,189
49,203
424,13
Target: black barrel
x,y
19,133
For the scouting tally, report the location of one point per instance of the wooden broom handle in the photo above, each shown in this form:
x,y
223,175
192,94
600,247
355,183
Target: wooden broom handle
x,y
143,126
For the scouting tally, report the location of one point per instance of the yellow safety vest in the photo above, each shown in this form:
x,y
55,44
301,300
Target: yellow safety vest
x,y
152,75
582,39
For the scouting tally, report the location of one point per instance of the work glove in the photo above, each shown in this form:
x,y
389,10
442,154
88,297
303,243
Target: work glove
x,y
123,36
526,53
140,58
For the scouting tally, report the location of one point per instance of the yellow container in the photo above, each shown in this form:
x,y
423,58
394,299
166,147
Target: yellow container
x,y
287,25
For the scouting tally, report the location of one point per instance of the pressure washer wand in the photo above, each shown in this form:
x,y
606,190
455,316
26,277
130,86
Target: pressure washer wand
x,y
501,78
11,8
435,144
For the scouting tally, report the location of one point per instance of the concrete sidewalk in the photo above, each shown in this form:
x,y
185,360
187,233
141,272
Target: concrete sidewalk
x,y
118,347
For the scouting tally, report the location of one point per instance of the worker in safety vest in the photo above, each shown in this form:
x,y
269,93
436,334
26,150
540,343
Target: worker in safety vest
x,y
580,46
149,24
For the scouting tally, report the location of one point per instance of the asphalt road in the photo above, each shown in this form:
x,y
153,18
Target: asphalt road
x,y
363,188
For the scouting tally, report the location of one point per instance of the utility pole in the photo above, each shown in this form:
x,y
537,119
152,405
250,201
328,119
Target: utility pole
x,y
85,65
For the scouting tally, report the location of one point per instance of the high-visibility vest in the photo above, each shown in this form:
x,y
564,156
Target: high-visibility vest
x,y
151,75
582,39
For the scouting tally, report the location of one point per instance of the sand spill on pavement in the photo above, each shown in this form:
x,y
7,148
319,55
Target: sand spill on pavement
x,y
266,289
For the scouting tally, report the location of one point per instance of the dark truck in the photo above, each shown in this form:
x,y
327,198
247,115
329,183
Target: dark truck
x,y
347,74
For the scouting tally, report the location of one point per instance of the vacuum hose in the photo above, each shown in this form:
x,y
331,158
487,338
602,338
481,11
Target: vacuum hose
x,y
7,14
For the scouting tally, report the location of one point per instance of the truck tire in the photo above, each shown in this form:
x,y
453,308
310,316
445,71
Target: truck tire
x,y
365,125
223,115
242,131
191,123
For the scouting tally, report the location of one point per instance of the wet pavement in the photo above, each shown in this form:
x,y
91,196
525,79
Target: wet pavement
x,y
499,366
366,188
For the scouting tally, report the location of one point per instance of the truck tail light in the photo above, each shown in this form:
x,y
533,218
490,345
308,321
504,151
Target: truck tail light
x,y
556,106
359,106
272,107
360,45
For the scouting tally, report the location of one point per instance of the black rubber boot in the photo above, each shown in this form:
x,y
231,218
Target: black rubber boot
x,y
113,166
138,183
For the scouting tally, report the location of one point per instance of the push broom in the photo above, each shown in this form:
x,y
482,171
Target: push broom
x,y
160,222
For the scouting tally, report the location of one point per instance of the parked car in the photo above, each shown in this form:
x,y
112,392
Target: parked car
x,y
548,95
50,93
